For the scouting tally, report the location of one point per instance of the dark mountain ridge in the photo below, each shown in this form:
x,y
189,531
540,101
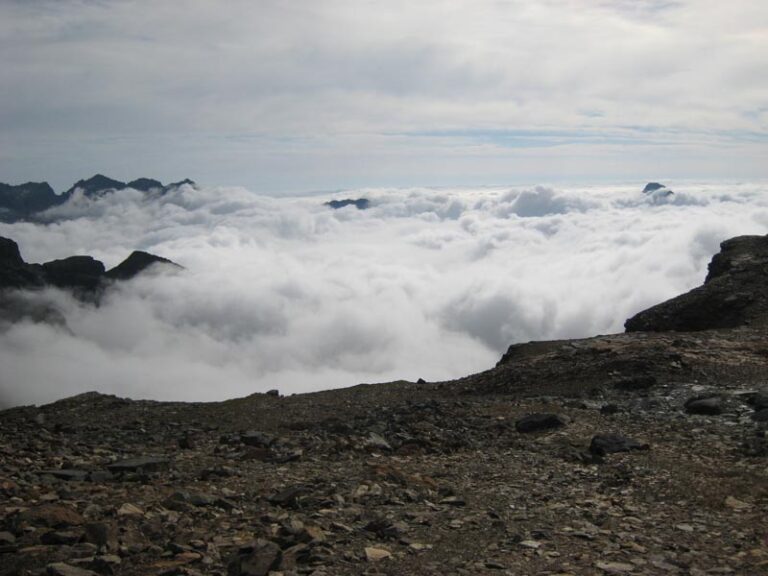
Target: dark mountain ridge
x,y
84,275
26,201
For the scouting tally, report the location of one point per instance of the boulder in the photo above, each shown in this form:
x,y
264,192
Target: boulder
x,y
709,405
603,444
733,293
538,422
258,559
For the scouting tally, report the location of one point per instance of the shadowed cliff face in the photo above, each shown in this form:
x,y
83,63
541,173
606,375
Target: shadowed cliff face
x,y
83,275
734,293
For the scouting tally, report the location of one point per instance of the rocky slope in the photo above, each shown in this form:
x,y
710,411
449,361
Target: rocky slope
x,y
641,453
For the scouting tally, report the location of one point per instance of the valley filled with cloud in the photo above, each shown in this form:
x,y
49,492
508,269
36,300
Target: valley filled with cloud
x,y
286,293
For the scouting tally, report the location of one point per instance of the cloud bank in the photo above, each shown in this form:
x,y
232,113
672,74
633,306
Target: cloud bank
x,y
289,294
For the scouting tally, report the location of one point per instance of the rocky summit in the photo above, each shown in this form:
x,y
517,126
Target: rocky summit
x,y
28,201
642,453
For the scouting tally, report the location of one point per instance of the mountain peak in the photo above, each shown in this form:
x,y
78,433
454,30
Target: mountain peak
x,y
95,184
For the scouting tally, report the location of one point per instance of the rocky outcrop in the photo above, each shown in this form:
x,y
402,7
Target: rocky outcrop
x,y
652,187
137,263
657,193
83,275
95,186
734,293
24,200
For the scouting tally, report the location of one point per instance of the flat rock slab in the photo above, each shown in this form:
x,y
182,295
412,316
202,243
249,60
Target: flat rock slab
x,y
139,464
67,474
711,406
62,569
52,516
609,443
537,422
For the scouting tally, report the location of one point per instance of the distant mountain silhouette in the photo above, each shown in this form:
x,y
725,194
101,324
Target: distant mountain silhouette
x,y
360,203
135,264
25,201
652,187
84,275
95,185
145,184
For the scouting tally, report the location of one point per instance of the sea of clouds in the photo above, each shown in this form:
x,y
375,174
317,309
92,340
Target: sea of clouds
x,y
287,293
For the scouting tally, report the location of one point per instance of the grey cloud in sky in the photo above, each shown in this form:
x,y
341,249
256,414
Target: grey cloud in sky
x,y
306,95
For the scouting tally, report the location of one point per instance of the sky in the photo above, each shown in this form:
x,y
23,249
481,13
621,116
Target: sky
x,y
286,97
286,293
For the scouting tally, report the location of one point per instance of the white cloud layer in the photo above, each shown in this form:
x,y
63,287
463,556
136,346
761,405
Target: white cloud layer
x,y
289,294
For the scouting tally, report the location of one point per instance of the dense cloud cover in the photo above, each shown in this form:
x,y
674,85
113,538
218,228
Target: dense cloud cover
x,y
287,293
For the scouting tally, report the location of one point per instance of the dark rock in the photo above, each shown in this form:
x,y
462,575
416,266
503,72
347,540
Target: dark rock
x,y
360,203
187,442
185,182
760,415
51,516
733,293
136,263
256,438
145,184
603,444
14,272
61,537
62,569
609,409
9,253
758,400
21,201
635,383
537,422
67,474
140,463
652,187
100,476
82,272
275,393
95,186
257,559
710,405
289,497
102,534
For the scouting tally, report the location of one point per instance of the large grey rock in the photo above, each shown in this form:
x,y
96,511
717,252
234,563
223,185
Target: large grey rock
x,y
733,293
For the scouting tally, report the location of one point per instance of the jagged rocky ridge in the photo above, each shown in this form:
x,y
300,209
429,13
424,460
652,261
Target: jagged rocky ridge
x,y
27,201
641,453
81,274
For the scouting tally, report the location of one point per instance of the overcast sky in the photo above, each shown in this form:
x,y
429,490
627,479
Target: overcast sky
x,y
283,96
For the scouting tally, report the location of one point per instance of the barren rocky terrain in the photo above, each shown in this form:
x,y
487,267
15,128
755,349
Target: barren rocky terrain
x,y
641,453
